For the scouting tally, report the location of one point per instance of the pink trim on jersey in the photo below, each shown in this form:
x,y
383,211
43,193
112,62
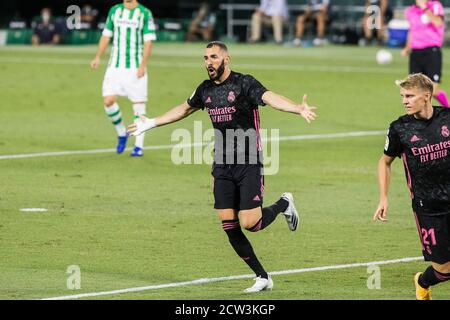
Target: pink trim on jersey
x,y
408,175
262,185
422,32
258,137
418,230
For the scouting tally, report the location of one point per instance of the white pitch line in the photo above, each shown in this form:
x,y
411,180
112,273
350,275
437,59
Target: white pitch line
x,y
170,146
33,210
244,276
193,52
166,64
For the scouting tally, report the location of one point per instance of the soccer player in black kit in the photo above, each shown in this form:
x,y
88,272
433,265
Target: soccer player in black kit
x,y
422,139
231,100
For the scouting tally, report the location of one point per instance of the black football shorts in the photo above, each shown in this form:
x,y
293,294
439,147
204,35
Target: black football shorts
x,y
427,61
238,186
434,232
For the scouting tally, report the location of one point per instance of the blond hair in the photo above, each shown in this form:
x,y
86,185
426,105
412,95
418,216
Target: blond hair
x,y
416,80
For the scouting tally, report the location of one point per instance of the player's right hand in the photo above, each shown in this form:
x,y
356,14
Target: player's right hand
x,y
95,63
381,212
140,125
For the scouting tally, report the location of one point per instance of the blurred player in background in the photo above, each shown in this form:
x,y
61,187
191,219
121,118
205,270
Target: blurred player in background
x,y
203,25
45,31
269,12
88,17
425,39
318,11
132,27
422,139
231,100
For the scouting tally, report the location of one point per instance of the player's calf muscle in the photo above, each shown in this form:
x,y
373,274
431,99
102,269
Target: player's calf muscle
x,y
109,101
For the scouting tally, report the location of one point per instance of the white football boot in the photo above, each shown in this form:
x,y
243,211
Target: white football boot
x,y
290,213
260,285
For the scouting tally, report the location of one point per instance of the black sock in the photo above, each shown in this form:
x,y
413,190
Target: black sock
x,y
432,277
279,206
242,246
269,214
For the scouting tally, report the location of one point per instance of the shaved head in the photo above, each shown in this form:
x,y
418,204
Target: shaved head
x,y
219,44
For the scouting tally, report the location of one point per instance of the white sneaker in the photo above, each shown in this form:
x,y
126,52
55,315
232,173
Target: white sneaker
x,y
290,214
297,42
260,285
320,42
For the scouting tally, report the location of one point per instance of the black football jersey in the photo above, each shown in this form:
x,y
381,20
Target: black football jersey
x,y
423,146
233,109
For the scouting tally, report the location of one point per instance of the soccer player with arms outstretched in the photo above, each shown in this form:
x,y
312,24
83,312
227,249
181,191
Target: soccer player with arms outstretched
x,y
422,139
132,27
231,100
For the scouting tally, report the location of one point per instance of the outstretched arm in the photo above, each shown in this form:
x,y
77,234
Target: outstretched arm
x,y
175,114
282,103
384,179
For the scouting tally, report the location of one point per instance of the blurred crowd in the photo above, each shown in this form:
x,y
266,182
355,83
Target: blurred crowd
x,y
48,29
272,21
317,16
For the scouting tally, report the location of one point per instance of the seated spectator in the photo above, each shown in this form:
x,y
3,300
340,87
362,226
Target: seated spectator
x,y
372,24
44,30
270,12
88,17
203,25
318,11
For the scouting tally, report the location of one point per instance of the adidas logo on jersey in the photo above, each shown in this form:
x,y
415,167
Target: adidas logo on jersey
x,y
415,138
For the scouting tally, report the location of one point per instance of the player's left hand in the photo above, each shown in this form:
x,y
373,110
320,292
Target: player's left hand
x,y
141,72
381,212
306,111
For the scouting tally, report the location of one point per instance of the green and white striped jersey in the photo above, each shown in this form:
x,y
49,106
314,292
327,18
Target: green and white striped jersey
x,y
130,29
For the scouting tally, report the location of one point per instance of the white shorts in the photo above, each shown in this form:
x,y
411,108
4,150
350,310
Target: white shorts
x,y
124,82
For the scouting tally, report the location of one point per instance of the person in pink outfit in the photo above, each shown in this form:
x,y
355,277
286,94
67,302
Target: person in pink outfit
x,y
425,39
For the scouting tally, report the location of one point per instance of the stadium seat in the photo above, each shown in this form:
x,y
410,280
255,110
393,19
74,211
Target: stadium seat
x,y
164,36
19,36
171,29
80,37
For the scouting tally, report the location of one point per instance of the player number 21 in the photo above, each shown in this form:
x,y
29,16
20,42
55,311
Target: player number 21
x,y
428,233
